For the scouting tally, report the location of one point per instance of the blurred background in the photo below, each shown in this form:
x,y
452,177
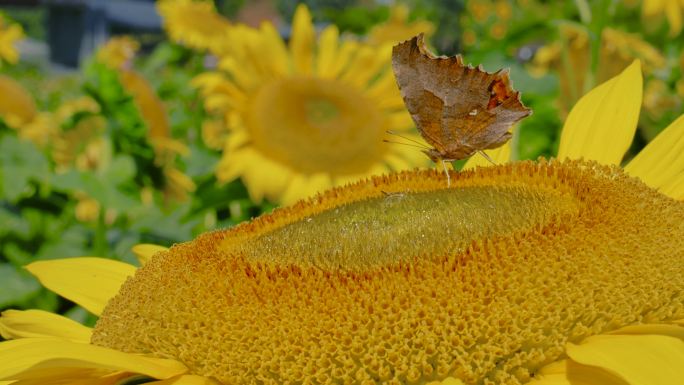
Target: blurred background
x,y
133,121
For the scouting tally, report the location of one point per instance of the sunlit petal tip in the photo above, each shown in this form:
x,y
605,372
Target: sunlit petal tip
x,y
302,40
88,281
661,163
145,251
602,123
38,323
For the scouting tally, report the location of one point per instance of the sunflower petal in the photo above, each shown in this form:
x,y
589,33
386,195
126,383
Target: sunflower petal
x,y
27,354
551,379
601,125
302,40
673,12
327,49
69,376
675,187
675,331
638,359
145,251
90,282
186,379
662,159
38,323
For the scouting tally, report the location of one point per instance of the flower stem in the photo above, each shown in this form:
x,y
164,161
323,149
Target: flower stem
x,y
100,240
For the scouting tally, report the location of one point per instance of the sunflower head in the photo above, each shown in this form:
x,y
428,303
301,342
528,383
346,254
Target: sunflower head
x,y
118,52
195,24
396,279
308,115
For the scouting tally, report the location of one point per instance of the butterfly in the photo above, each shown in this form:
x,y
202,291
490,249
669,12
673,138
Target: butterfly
x,y
458,109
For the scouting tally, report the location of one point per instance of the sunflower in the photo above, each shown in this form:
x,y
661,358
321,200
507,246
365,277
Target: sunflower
x,y
550,272
9,34
307,116
195,24
118,54
398,27
16,103
571,59
615,105
18,111
671,9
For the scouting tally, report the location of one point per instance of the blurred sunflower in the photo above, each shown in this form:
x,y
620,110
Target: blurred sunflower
x,y
309,116
118,54
9,34
82,146
18,110
195,24
570,58
17,106
533,272
672,10
398,27
488,18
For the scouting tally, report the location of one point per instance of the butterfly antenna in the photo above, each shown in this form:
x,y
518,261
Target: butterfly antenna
x,y
407,138
484,154
405,144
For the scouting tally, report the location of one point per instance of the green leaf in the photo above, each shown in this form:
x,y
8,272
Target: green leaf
x,y
12,223
67,182
16,286
20,162
122,169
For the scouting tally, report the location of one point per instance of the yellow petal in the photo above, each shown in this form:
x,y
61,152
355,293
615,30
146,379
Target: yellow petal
x,y
551,379
499,155
71,376
327,49
145,251
277,52
602,124
673,12
675,331
302,40
662,159
652,7
186,379
90,282
27,354
38,323
638,359
675,187
305,186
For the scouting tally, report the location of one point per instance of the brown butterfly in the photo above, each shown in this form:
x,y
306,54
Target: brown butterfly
x,y
459,110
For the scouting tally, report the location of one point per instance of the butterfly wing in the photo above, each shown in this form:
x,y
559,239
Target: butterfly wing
x,y
484,110
422,103
458,109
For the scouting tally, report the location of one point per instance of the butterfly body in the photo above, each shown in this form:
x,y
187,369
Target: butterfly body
x,y
458,109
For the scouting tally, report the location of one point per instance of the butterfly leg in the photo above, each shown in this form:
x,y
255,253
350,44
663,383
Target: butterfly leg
x,y
484,154
446,172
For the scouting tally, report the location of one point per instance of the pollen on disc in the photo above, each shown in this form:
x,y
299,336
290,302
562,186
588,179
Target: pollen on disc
x,y
398,280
